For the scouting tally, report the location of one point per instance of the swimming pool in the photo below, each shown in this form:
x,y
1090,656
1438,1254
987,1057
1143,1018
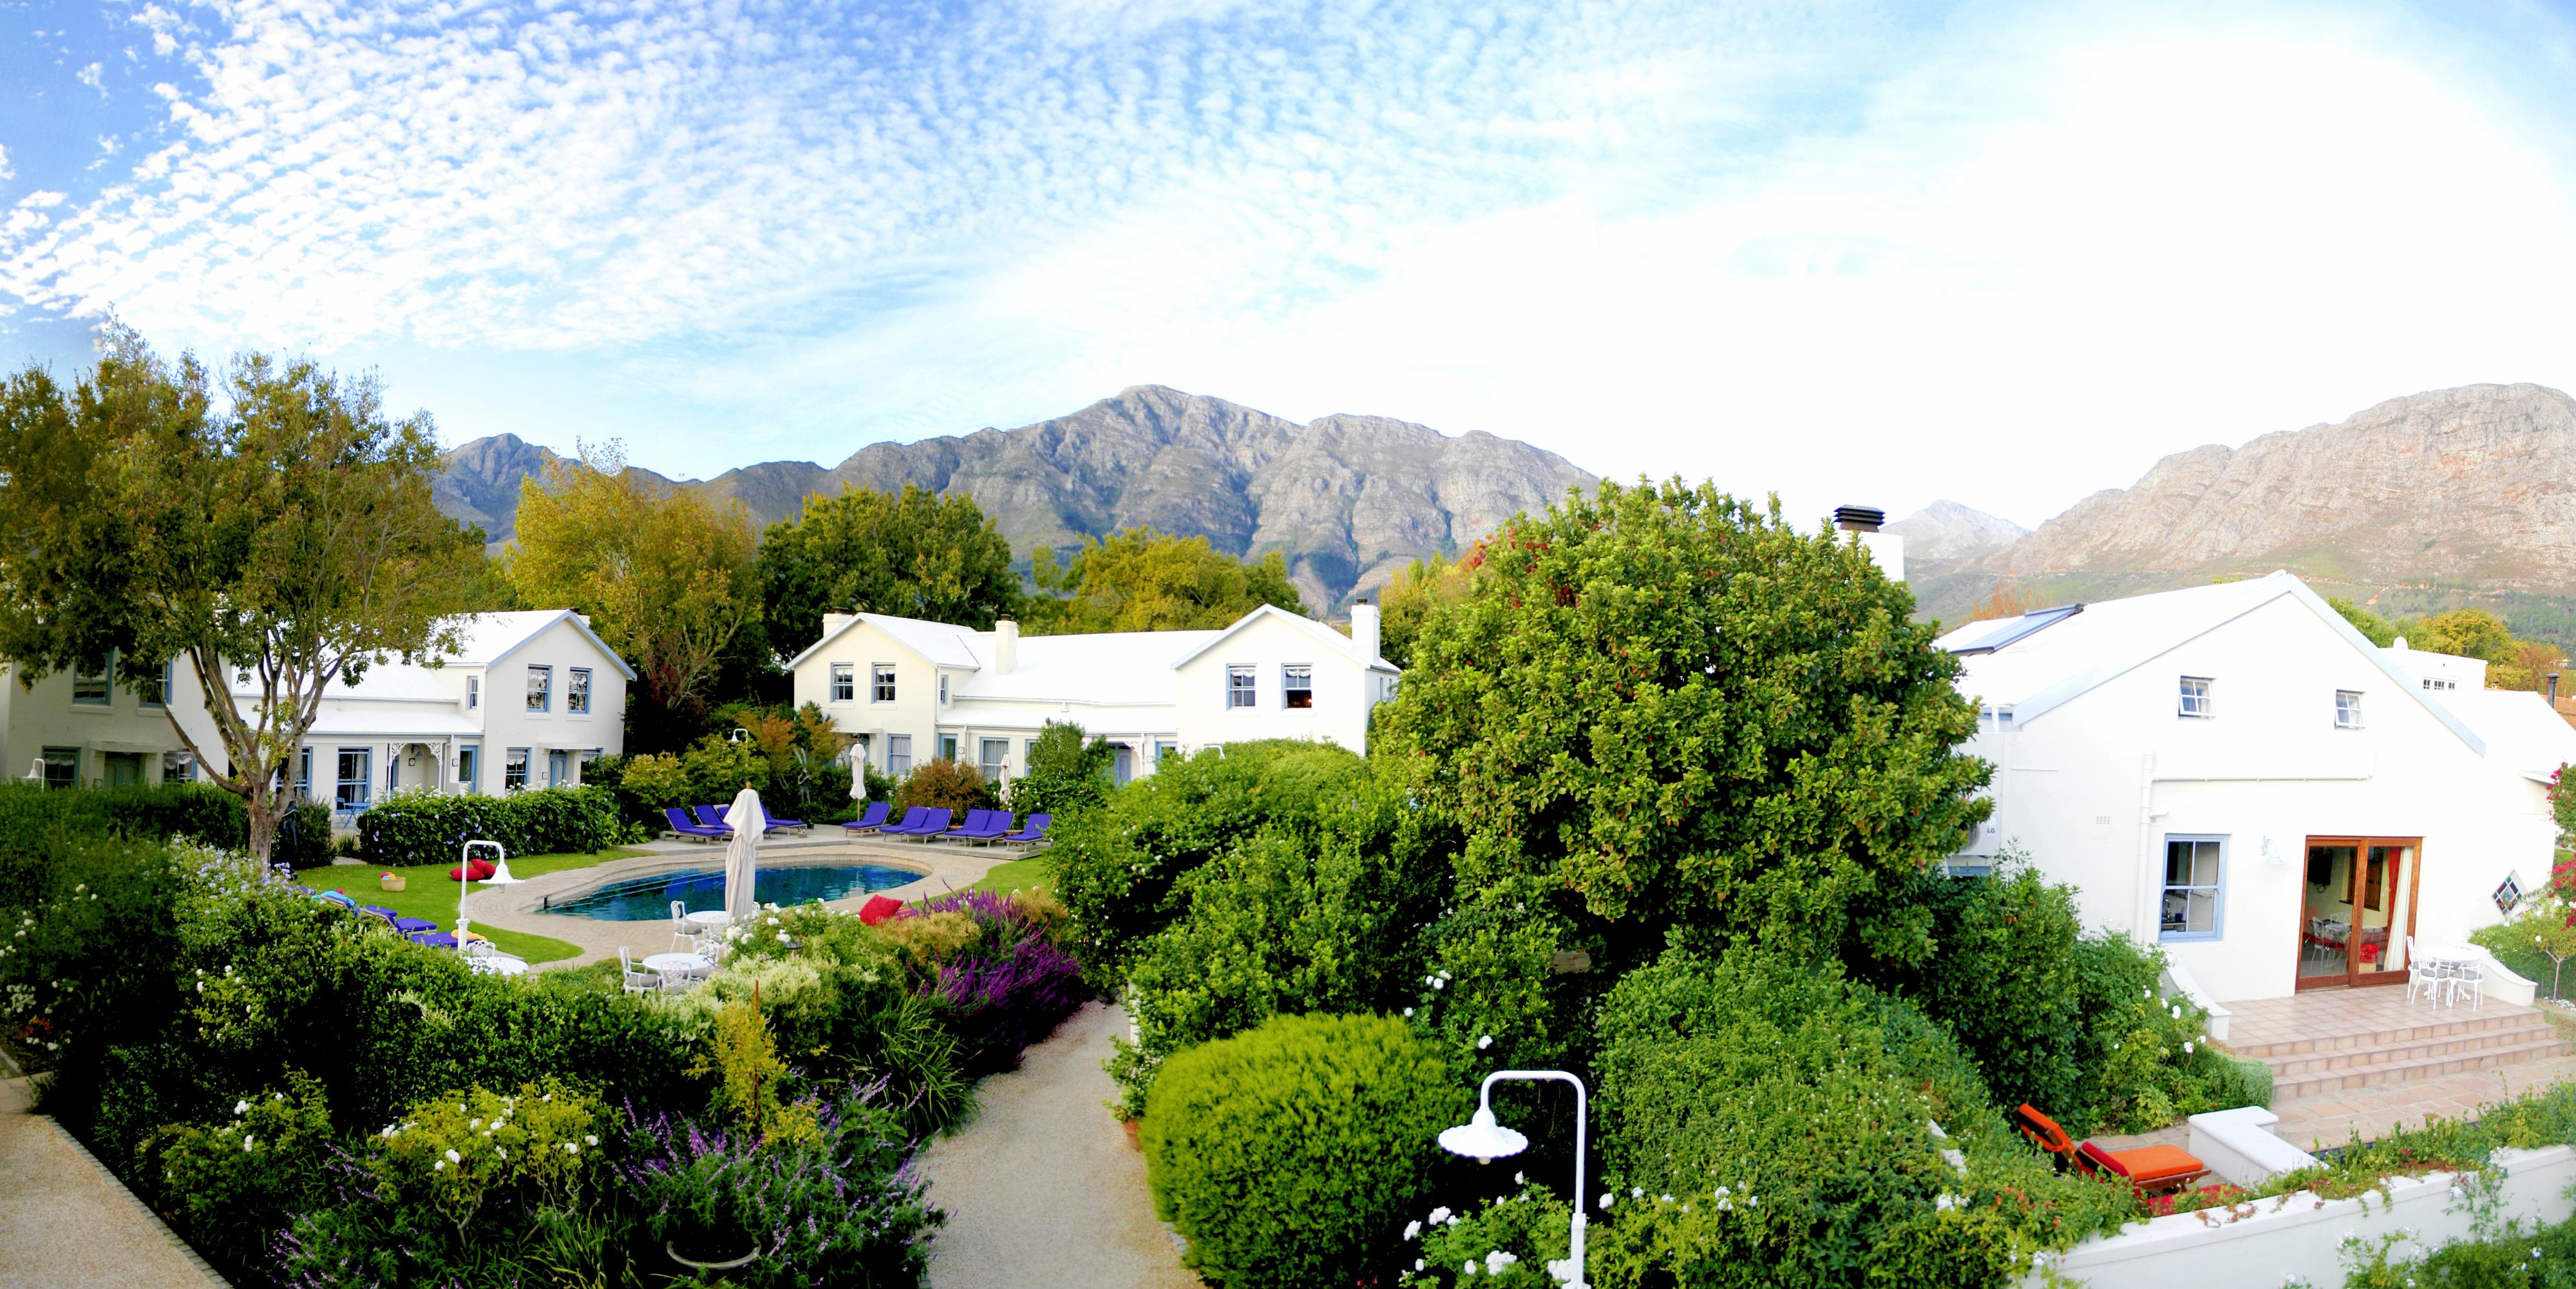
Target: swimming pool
x,y
648,898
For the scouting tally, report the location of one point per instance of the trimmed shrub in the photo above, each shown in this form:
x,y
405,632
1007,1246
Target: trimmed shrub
x,y
951,785
32,817
426,828
1065,774
2147,1060
1290,1155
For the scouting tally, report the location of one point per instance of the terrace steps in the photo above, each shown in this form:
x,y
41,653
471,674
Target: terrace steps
x,y
2403,1045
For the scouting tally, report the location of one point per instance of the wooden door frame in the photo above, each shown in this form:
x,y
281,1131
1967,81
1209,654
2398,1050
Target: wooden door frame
x,y
2361,845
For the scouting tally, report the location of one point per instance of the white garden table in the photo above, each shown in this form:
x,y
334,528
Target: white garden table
x,y
496,965
2443,958
685,966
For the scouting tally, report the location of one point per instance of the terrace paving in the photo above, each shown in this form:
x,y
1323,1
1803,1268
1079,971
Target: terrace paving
x,y
1042,1189
66,1221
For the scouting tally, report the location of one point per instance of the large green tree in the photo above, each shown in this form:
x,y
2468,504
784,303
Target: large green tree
x,y
1663,706
281,541
1139,579
665,576
918,555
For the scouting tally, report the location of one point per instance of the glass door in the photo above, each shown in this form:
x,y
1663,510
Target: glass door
x,y
2357,911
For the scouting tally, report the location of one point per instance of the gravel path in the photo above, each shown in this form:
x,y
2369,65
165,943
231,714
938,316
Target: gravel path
x,y
65,1221
1042,1189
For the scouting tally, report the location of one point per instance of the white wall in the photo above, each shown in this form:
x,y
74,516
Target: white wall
x,y
1344,690
2073,790
32,720
916,689
507,722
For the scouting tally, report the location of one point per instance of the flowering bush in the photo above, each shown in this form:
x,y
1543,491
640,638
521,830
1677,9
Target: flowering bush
x,y
455,1151
233,1183
1505,1244
1012,985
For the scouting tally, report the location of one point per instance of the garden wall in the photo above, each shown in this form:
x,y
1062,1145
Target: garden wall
x,y
2267,1241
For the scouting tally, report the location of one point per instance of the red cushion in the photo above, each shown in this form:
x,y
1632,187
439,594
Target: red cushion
x,y
878,909
481,870
2097,1159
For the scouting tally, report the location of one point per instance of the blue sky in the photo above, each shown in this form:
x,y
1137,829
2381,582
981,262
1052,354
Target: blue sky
x,y
2005,253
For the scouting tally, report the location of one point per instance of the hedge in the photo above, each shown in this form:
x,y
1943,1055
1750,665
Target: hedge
x,y
421,828
32,818
1290,1155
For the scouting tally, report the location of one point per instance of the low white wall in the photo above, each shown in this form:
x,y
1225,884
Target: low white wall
x,y
2266,1241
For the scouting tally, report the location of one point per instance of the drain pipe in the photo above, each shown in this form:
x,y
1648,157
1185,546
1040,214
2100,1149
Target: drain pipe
x,y
2145,922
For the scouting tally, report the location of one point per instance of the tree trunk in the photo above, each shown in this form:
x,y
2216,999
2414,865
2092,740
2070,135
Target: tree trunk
x,y
263,824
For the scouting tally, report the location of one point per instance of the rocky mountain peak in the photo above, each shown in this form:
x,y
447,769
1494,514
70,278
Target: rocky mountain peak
x,y
1948,531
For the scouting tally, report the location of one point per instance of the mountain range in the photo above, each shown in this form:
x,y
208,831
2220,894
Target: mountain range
x,y
1348,500
2441,499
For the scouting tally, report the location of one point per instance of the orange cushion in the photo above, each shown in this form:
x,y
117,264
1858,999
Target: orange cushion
x,y
2151,1163
2042,1130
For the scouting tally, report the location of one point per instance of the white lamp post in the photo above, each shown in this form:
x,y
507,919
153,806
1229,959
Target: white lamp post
x,y
1485,1141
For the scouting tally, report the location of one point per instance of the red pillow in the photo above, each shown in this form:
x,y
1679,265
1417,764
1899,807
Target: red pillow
x,y
481,870
2102,1160
878,909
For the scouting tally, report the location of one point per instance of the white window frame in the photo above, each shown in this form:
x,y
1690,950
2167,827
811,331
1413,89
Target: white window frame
x,y
1028,754
363,781
473,692
943,689
541,687
2348,713
948,748
577,691
66,759
1289,672
881,682
845,682
515,762
993,758
178,765
2196,704
898,755
2216,888
144,698
104,679
1242,689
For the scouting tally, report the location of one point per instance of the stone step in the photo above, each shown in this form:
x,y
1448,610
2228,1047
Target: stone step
x,y
2465,1022
2343,1058
2411,1069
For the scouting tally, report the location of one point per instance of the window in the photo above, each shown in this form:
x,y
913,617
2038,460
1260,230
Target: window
x,y
156,691
947,747
514,769
304,774
898,754
1028,755
845,683
2192,868
393,769
89,684
943,689
577,690
881,683
473,692
541,689
2435,682
2347,709
62,767
1296,687
1165,748
1238,687
354,765
469,769
178,766
2195,697
994,751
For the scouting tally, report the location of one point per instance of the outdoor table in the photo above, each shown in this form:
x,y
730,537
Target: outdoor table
x,y
705,920
2445,955
680,964
498,966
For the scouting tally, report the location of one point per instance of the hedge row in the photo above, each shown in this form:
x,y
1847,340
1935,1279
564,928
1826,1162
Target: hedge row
x,y
31,816
421,828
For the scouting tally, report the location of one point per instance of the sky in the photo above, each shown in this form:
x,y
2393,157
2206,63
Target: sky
x,y
2008,254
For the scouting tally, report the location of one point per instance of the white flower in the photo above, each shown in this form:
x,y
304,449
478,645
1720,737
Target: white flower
x,y
1606,1198
241,1107
1417,1264
245,1143
1412,1229
1444,973
1440,1215
1437,985
1497,1260
2177,1011
571,1149
2186,1047
475,1124
434,1167
454,1158
1519,1180
1470,1267
1485,1042
1664,1199
589,1139
1408,1011
1636,1192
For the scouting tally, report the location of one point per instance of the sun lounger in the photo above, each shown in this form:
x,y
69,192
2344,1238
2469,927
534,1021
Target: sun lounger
x,y
980,825
434,939
871,821
682,825
2148,1170
400,923
934,821
1033,833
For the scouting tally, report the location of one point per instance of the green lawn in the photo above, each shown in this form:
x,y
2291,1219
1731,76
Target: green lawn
x,y
428,892
1015,874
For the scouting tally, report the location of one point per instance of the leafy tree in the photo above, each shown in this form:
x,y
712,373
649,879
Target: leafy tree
x,y
284,541
665,576
1066,772
918,555
2467,633
1410,597
2009,600
2376,629
1674,710
1142,580
954,785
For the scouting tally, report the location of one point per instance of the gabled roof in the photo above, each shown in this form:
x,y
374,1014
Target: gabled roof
x,y
2044,668
1320,633
2519,727
1117,669
938,643
491,637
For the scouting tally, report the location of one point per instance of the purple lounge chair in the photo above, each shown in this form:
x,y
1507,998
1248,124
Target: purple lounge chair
x,y
403,924
934,821
913,818
871,821
434,939
1034,833
682,825
713,817
981,825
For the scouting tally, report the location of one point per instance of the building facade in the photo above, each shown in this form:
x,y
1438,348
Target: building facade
x,y
911,691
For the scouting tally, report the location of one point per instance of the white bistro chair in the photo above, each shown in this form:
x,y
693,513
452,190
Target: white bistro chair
x,y
684,934
637,982
2422,975
2465,978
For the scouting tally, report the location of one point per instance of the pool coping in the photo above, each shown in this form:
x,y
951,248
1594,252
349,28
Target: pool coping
x,y
942,868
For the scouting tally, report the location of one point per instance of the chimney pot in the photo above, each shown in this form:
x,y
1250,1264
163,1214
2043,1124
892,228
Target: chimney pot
x,y
1859,519
1364,630
1006,646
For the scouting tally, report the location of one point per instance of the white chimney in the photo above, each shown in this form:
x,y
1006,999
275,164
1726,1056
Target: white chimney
x,y
1364,630
1006,646
835,621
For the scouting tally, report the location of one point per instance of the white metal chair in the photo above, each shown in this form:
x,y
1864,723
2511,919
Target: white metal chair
x,y
2420,975
684,938
2465,978
637,982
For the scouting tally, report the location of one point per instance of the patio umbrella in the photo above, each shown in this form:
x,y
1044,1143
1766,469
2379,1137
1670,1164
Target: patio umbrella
x,y
742,857
858,773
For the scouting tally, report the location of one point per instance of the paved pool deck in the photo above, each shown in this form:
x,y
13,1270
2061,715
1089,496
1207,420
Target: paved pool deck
x,y
944,866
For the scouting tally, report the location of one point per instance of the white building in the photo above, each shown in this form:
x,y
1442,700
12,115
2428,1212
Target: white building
x,y
911,690
526,701
84,727
2236,774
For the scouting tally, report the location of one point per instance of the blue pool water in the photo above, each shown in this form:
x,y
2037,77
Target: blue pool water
x,y
648,899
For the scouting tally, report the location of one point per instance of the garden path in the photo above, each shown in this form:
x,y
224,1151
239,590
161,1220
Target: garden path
x,y
1042,1189
65,1221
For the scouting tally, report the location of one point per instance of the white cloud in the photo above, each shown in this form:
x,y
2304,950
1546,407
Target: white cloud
x,y
6,171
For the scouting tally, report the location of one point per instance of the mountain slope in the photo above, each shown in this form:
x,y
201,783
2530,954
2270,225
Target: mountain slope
x,y
1946,532
1348,499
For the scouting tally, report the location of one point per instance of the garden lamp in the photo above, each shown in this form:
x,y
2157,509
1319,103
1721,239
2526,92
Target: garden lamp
x,y
1484,1140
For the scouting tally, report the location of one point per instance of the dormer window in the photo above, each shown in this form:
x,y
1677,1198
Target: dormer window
x,y
2196,702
